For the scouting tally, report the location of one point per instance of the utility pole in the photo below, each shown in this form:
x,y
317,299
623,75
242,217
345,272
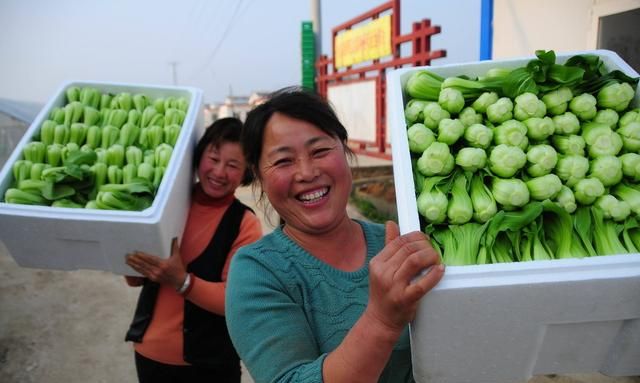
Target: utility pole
x,y
316,16
174,71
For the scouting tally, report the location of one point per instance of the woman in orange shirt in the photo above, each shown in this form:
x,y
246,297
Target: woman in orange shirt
x,y
179,328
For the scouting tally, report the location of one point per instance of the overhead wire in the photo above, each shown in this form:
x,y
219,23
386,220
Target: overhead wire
x,y
238,10
190,26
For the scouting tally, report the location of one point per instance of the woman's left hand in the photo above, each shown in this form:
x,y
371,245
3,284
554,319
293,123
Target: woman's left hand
x,y
396,280
170,271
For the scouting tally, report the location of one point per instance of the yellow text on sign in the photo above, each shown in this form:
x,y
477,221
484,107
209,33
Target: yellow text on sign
x,y
369,42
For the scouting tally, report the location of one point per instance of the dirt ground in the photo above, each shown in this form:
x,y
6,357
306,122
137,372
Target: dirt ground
x,y
69,326
63,326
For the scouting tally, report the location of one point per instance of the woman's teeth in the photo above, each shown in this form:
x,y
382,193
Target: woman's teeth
x,y
316,195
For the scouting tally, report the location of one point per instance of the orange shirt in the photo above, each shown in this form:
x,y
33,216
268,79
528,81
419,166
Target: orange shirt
x,y
163,340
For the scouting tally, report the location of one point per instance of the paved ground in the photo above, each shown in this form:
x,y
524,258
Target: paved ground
x,y
68,326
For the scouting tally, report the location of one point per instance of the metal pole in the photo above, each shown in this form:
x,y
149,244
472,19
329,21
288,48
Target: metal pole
x,y
396,28
316,17
174,71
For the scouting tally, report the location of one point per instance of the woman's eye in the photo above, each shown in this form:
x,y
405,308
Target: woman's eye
x,y
282,161
321,151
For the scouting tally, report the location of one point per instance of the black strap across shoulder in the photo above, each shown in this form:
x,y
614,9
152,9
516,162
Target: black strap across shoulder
x,y
206,338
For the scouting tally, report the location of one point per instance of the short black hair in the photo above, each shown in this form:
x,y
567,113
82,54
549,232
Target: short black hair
x,y
295,102
223,130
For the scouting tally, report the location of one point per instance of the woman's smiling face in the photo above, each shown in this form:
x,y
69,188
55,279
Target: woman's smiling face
x,y
221,169
305,174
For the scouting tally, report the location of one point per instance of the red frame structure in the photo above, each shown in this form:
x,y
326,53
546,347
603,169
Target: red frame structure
x,y
421,54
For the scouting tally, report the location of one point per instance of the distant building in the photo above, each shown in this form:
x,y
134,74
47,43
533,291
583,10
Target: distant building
x,y
569,26
233,106
257,98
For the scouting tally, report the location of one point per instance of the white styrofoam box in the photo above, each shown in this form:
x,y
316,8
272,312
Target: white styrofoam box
x,y
72,239
504,323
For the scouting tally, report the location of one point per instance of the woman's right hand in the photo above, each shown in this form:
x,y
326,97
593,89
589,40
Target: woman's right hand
x,y
395,283
169,271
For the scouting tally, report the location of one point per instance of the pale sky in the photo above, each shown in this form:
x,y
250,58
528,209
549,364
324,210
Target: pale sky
x,y
220,46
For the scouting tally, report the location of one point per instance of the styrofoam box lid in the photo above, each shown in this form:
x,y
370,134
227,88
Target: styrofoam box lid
x,y
70,222
506,322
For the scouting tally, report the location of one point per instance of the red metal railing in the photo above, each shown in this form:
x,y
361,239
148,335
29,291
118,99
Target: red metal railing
x,y
421,54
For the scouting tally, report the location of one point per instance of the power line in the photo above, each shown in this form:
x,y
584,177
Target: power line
x,y
223,36
189,24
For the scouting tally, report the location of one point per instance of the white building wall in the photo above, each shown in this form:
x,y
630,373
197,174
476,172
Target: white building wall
x,y
520,27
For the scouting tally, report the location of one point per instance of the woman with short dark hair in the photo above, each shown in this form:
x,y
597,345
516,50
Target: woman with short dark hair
x,y
323,298
179,329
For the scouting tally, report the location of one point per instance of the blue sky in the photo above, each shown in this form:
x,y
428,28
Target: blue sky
x,y
220,46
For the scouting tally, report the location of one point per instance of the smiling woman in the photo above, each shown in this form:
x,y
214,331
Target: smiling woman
x,y
323,297
178,329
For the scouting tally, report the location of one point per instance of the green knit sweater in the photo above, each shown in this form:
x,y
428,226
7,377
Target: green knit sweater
x,y
286,309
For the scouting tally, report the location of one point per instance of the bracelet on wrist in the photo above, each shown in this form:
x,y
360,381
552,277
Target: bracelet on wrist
x,y
185,285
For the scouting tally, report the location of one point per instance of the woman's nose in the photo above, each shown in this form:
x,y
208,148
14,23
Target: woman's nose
x,y
218,169
306,170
